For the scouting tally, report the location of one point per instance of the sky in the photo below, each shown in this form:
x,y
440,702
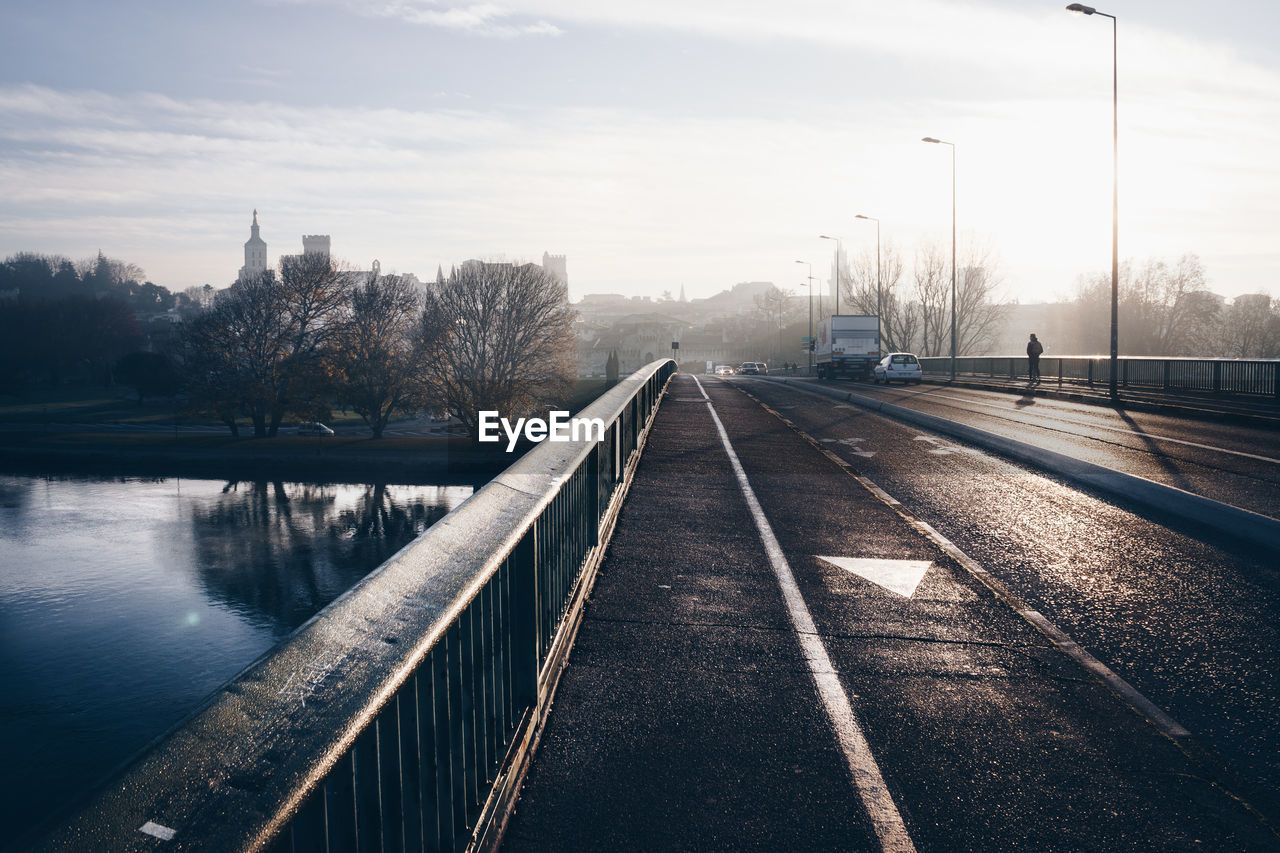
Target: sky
x,y
658,144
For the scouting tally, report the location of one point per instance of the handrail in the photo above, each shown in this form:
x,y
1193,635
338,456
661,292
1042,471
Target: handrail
x,y
1219,376
402,715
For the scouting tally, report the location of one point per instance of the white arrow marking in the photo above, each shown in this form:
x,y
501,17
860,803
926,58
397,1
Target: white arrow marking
x,y
900,576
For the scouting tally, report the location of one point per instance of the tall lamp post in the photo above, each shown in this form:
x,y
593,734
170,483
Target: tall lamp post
x,y
838,253
953,249
810,266
1115,195
879,309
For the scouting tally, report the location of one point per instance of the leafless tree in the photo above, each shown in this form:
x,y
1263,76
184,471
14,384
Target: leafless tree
x,y
498,337
933,291
1163,309
377,358
978,311
900,318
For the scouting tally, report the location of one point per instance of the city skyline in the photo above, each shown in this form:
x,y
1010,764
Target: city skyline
x,y
656,145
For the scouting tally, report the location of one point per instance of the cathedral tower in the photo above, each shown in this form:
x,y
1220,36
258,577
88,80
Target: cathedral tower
x,y
255,252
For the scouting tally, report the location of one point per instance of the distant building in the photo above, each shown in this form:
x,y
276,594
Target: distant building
x,y
315,244
255,252
557,267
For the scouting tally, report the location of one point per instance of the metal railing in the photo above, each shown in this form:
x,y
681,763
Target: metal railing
x,y
402,716
1234,377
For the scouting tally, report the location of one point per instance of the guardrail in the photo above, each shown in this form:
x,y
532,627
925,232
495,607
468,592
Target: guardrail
x,y
402,716
1236,377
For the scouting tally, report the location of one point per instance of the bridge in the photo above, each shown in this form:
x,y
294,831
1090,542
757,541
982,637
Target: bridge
x,y
778,614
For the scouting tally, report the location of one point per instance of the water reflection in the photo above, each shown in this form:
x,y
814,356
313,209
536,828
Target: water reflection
x,y
124,602
278,552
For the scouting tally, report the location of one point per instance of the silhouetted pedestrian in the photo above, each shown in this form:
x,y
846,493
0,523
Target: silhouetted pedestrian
x,y
1034,348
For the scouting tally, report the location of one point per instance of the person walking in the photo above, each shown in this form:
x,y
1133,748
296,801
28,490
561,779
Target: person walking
x,y
1034,348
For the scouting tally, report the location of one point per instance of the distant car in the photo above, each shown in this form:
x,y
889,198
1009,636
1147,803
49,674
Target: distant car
x,y
724,370
312,428
901,367
763,368
749,369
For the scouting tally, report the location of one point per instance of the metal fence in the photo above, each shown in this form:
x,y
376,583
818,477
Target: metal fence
x,y
400,717
1236,377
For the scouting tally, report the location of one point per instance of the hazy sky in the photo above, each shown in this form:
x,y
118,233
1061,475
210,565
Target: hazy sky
x,y
656,143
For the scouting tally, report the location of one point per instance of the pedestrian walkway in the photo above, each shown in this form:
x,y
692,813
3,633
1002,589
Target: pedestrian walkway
x,y
697,710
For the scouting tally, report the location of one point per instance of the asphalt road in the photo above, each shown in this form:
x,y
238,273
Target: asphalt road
x,y
698,713
1193,625
1230,463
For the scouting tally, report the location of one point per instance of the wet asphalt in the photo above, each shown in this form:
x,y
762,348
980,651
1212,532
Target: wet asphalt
x,y
1224,460
688,718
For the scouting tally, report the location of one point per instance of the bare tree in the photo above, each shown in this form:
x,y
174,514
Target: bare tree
x,y
234,354
1163,310
900,318
978,313
498,337
1249,328
933,291
377,357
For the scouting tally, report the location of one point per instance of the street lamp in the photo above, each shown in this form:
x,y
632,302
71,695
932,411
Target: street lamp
x,y
1115,195
879,319
838,253
810,347
953,249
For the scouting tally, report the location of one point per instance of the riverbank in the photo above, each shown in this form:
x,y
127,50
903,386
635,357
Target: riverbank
x,y
340,459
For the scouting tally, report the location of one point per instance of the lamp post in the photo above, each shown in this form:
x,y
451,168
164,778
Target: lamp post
x,y
953,249
879,309
810,347
838,253
1115,195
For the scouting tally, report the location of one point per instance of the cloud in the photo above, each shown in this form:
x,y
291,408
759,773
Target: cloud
x,y
482,19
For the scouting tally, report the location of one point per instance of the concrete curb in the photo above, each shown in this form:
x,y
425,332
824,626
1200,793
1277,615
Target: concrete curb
x,y
1225,519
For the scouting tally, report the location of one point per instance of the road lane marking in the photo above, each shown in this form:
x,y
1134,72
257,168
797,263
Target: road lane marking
x,y
898,576
867,778
1060,639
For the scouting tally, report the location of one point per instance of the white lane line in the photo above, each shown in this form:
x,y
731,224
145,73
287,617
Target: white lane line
x,y
1151,436
1126,691
885,818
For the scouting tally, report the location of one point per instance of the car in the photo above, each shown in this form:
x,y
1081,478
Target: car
x,y
724,370
901,367
312,428
749,369
762,368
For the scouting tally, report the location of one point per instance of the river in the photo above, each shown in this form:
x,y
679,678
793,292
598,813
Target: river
x,y
125,602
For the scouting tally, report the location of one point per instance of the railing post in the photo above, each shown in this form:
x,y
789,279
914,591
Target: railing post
x,y
1168,365
1124,373
1059,374
1217,377
526,608
1090,373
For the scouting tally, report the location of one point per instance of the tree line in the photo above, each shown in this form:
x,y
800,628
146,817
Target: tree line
x,y
311,336
1165,307
296,341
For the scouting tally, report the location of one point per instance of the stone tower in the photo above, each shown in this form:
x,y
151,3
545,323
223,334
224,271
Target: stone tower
x,y
315,244
557,267
255,252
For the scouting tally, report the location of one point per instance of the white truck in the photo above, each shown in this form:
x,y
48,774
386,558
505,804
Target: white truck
x,y
847,345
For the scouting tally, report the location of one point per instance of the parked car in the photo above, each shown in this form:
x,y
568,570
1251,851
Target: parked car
x,y
901,367
312,428
749,369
